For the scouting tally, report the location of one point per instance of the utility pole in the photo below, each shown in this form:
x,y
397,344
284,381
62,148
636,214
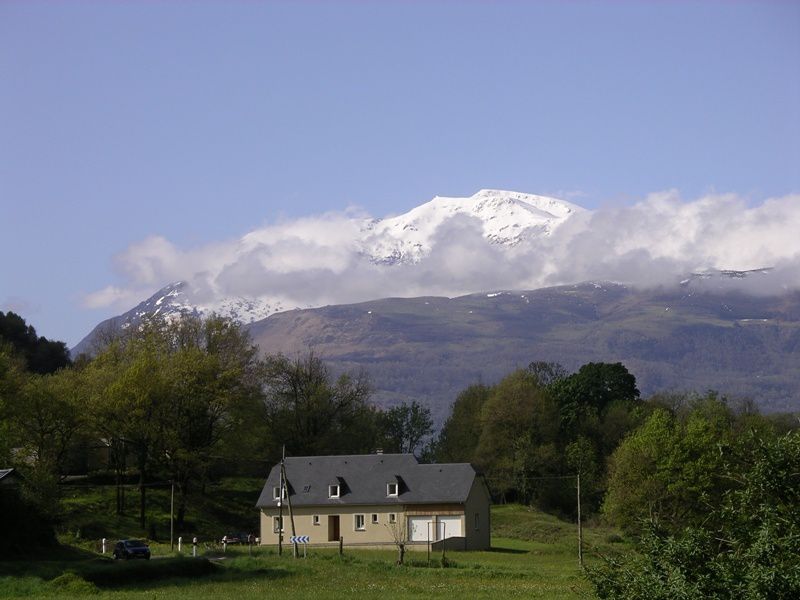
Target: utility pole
x,y
280,507
580,527
291,514
172,516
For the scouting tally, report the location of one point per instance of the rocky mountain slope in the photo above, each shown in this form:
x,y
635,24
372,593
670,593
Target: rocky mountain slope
x,y
699,335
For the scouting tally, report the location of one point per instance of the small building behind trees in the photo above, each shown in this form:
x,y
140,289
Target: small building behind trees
x,y
376,500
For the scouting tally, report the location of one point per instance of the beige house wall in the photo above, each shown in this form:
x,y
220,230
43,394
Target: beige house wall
x,y
375,534
478,517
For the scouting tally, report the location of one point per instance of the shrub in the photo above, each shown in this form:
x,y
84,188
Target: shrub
x,y
73,584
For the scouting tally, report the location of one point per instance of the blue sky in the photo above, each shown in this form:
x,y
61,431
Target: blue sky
x,y
201,121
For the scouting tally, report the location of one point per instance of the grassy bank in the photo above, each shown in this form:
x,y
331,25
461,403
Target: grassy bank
x,y
539,561
89,514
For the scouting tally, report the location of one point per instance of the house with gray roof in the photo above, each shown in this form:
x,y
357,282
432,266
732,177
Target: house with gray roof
x,y
375,500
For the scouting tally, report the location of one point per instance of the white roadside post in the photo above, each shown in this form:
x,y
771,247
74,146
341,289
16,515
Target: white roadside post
x,y
224,544
194,546
180,542
104,545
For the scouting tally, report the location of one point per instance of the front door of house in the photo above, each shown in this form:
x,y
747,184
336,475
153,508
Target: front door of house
x,y
333,528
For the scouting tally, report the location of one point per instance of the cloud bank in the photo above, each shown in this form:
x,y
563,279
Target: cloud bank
x,y
320,260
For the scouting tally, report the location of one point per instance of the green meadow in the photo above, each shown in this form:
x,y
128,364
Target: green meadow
x,y
533,556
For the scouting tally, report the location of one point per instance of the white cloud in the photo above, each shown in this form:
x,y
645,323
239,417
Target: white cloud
x,y
113,296
319,260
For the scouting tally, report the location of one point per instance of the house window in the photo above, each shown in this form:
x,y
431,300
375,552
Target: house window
x,y
315,519
477,521
374,519
333,491
391,489
277,524
359,522
276,493
392,518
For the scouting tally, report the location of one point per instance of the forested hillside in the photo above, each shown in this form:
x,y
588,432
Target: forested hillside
x,y
690,338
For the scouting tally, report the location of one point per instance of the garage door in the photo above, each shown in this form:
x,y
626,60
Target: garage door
x,y
449,527
418,528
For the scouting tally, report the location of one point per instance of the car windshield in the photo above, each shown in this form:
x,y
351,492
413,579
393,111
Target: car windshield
x,y
135,544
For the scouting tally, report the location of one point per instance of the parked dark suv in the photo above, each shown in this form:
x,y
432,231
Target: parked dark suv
x,y
131,549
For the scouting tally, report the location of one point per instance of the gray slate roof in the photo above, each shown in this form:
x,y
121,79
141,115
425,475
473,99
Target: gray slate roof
x,y
363,479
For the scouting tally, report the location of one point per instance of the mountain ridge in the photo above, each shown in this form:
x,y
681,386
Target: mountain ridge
x,y
693,336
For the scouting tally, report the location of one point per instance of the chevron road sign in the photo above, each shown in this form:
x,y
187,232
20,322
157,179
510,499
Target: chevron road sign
x,y
300,539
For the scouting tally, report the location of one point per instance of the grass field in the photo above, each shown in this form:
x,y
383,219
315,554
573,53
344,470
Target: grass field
x,y
533,556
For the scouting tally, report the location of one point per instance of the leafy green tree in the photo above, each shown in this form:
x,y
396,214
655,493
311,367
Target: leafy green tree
x,y
212,373
668,470
547,373
132,403
171,392
592,389
461,432
44,420
310,413
638,485
507,422
538,425
748,547
12,379
405,427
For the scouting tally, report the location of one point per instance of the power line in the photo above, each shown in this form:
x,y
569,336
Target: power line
x,y
532,477
114,485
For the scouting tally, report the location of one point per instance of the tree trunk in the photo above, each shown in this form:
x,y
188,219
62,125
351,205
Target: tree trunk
x,y
119,493
401,553
183,498
142,493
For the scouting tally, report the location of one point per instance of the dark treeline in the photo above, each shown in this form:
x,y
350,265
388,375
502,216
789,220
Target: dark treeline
x,y
541,423
40,354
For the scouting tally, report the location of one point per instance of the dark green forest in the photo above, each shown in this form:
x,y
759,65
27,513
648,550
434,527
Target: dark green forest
x,y
182,402
706,486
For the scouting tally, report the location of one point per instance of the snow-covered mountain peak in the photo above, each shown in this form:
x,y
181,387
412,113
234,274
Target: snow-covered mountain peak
x,y
553,206
506,218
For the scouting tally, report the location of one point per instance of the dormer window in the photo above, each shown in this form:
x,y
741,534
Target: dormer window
x,y
333,490
392,489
